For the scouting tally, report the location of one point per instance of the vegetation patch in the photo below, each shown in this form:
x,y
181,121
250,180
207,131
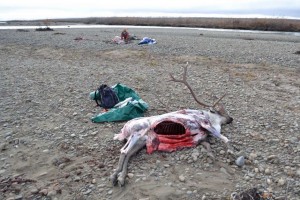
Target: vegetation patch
x,y
44,29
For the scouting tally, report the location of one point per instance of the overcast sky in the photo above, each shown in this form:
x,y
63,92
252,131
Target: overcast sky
x,y
43,9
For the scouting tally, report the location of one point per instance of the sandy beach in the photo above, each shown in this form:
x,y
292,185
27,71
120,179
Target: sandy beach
x,y
50,149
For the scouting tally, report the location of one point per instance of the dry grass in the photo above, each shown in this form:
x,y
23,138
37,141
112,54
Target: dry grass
x,y
265,24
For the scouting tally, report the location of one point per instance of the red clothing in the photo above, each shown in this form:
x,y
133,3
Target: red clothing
x,y
125,35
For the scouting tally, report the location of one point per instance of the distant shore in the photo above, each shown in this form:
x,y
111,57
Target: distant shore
x,y
264,24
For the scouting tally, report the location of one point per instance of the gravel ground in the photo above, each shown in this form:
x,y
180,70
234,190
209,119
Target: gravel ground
x,y
49,148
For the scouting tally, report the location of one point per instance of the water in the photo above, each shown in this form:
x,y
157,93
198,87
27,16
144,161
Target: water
x,y
124,26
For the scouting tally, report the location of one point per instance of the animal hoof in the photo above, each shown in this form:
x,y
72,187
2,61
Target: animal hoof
x,y
121,182
230,150
113,179
211,155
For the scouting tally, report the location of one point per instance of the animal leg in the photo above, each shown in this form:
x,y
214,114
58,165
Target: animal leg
x,y
230,149
114,176
130,142
140,143
207,147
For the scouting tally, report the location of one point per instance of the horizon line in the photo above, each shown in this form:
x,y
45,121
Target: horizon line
x,y
242,16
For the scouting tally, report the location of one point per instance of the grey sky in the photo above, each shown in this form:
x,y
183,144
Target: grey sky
x,y
37,9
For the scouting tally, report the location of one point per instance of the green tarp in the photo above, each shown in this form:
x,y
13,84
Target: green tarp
x,y
132,109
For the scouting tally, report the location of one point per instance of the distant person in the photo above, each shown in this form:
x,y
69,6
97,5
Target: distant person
x,y
125,35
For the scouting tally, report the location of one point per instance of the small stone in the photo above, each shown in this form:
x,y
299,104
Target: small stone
x,y
77,178
252,156
195,158
267,171
271,157
94,181
241,153
222,152
110,192
222,169
298,172
281,182
34,191
143,167
181,178
51,193
43,174
87,192
130,175
269,181
261,169
8,134
137,180
73,135
18,197
94,133
3,147
240,161
89,115
44,192
182,157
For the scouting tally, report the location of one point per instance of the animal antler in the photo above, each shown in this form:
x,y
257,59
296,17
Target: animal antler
x,y
184,81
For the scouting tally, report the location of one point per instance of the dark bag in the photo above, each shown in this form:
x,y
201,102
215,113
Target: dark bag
x,y
106,97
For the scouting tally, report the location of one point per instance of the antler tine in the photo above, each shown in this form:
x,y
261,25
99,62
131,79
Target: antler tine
x,y
214,105
184,81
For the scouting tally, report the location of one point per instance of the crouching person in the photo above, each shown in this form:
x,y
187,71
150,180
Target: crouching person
x,y
125,36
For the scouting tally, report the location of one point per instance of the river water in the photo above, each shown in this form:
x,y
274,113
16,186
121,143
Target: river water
x,y
7,27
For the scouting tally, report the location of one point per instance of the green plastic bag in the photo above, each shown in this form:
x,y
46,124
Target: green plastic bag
x,y
133,109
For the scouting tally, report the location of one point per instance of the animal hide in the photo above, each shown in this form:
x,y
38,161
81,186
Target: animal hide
x,y
168,132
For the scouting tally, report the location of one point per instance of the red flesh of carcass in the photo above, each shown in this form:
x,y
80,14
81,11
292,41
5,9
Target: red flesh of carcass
x,y
168,132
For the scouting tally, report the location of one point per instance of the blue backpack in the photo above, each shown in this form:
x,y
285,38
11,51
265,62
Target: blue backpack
x,y
106,97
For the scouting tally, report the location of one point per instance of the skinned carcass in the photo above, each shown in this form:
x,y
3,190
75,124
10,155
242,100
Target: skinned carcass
x,y
170,132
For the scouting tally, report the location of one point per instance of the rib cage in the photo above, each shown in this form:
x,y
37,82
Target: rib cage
x,y
169,128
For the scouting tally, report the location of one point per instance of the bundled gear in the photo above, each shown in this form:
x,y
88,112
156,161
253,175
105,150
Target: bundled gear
x,y
130,105
106,97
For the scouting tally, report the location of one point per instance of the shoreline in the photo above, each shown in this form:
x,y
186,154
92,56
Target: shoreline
x,y
263,24
74,26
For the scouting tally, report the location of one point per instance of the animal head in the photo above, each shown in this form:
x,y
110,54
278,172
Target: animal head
x,y
216,113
